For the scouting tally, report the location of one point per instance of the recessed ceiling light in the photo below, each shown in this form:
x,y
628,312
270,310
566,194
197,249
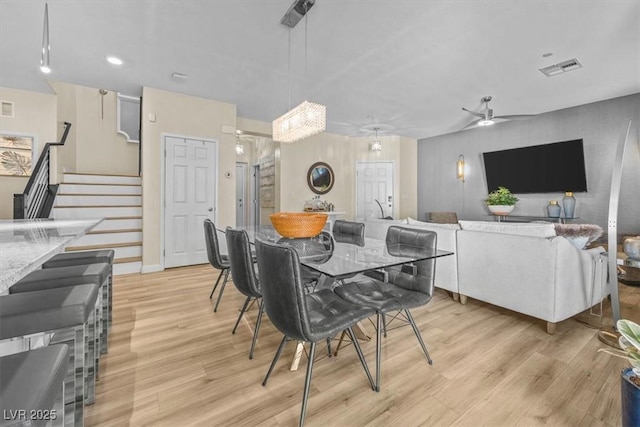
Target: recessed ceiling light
x,y
114,60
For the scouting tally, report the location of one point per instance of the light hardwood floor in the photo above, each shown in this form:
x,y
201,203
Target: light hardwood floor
x,y
173,362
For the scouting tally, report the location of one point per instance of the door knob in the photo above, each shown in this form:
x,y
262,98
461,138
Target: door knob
x,y
210,209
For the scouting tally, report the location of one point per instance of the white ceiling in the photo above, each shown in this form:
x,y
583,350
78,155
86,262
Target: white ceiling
x,y
407,65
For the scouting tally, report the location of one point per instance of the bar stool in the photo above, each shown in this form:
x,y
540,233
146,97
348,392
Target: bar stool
x,y
50,278
32,386
69,314
68,259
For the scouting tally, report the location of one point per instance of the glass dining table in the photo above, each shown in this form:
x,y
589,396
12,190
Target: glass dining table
x,y
336,258
339,258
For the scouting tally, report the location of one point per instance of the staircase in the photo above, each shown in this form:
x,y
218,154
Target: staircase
x,y
116,198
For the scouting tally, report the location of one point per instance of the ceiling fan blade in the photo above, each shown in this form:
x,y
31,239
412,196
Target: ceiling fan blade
x,y
470,125
474,113
516,116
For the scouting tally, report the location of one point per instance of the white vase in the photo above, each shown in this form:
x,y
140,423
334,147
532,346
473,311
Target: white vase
x,y
500,209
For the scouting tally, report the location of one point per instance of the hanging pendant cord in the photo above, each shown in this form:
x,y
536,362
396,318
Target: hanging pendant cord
x,y
289,71
306,20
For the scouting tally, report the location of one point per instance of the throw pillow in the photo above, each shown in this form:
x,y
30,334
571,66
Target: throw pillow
x,y
580,235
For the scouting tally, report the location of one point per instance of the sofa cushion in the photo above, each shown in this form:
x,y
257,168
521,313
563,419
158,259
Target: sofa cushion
x,y
432,225
519,229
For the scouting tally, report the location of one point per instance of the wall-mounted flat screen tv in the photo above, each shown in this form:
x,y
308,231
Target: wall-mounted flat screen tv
x,y
547,168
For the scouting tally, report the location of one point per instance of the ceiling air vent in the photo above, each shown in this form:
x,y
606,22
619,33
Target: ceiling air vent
x,y
7,109
561,67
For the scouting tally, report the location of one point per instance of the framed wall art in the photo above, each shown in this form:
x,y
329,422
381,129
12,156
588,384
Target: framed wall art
x,y
17,154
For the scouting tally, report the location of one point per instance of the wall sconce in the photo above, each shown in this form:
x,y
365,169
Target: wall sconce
x,y
460,168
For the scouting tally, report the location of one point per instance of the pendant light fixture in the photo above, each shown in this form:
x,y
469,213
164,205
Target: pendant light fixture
x,y
45,58
308,118
376,145
239,147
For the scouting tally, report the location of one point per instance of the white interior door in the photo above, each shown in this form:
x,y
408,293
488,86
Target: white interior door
x,y
241,193
374,190
190,194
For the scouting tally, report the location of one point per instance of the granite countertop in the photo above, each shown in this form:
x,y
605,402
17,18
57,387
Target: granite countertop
x,y
26,244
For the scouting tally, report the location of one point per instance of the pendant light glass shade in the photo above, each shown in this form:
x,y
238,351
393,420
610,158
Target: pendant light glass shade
x,y
45,59
303,121
308,118
376,145
239,147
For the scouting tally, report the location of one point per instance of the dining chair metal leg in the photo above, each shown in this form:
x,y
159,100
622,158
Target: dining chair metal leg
x,y
384,324
307,383
224,282
339,343
255,331
356,344
216,285
328,347
417,332
378,349
242,311
275,359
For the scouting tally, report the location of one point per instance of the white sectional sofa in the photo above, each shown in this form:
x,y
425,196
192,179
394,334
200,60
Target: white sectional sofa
x,y
522,267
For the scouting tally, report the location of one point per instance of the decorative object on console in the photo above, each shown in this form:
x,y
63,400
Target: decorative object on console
x,y
460,168
501,201
569,204
580,235
554,209
298,224
631,247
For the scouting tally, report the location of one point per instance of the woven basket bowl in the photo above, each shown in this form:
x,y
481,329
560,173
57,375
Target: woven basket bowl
x,y
298,224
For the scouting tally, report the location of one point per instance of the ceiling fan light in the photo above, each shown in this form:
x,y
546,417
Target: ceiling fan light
x,y
485,122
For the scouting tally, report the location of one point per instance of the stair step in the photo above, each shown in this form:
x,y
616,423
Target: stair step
x,y
108,238
62,212
110,224
93,189
126,260
122,230
86,200
97,247
127,268
88,178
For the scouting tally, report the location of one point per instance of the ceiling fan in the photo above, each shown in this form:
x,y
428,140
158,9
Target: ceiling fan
x,y
486,117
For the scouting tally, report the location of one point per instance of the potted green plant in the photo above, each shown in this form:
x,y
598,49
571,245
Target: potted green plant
x,y
501,201
629,342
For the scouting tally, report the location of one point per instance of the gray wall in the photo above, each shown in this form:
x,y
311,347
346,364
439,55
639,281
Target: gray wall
x,y
599,124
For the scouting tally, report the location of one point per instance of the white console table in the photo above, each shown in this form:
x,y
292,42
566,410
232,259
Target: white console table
x,y
531,218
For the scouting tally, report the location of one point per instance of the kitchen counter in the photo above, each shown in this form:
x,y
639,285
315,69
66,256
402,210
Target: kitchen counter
x,y
26,244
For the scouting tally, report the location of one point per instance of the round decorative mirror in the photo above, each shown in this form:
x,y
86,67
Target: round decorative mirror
x,y
320,178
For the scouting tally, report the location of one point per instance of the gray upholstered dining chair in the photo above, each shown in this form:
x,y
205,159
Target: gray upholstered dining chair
x,y
348,232
244,276
217,260
300,316
409,286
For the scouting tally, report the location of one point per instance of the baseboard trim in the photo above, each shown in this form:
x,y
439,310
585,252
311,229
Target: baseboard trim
x,y
151,268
